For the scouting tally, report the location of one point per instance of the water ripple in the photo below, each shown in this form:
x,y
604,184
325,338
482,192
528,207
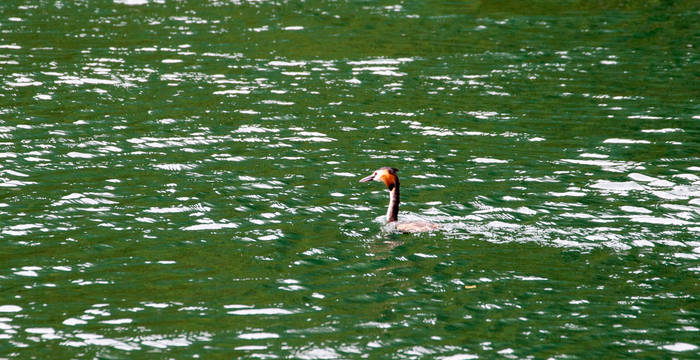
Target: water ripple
x,y
177,180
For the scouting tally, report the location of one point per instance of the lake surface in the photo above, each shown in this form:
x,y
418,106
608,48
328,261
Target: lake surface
x,y
179,179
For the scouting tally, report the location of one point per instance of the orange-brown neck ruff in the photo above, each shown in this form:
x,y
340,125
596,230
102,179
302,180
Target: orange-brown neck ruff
x,y
389,179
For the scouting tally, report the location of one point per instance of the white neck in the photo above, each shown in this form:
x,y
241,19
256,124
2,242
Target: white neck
x,y
393,211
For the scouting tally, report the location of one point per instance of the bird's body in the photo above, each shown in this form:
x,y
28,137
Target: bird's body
x,y
415,226
388,176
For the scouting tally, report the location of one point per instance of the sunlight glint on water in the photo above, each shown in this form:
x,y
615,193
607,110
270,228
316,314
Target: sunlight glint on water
x,y
182,179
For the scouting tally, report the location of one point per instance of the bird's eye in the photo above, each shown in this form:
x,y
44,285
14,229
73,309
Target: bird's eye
x,y
375,173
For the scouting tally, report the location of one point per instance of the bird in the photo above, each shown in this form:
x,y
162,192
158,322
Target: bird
x,y
388,176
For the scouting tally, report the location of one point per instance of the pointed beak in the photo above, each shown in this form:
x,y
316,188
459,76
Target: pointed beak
x,y
368,178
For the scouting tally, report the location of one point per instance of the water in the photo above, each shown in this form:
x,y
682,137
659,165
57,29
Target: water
x,y
179,179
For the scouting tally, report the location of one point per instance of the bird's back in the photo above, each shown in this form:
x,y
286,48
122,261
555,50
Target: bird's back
x,y
415,226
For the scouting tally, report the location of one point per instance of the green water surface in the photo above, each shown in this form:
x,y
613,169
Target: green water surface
x,y
179,179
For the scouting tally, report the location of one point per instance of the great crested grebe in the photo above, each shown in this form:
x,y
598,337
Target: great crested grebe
x,y
388,176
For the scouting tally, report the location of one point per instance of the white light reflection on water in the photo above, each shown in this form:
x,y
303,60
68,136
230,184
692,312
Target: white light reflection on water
x,y
79,338
179,150
263,311
10,308
680,346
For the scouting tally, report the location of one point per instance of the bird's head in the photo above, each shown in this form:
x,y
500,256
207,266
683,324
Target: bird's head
x,y
387,175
